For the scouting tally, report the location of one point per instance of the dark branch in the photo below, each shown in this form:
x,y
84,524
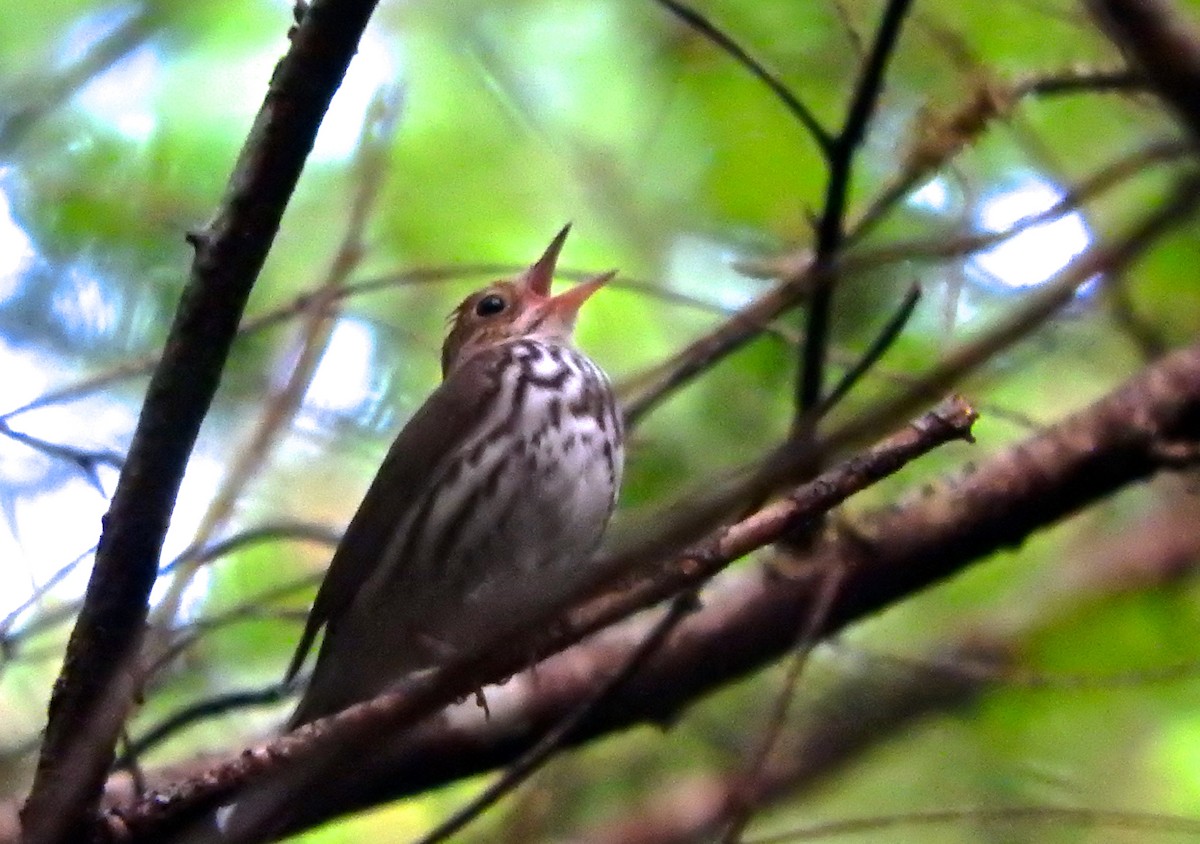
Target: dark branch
x,y
92,695
895,553
1164,45
714,34
831,226
878,348
332,742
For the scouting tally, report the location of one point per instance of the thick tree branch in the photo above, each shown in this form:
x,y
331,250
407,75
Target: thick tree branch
x,y
92,695
1113,443
1164,45
328,743
879,695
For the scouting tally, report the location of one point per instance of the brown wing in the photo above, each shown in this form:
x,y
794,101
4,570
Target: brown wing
x,y
430,435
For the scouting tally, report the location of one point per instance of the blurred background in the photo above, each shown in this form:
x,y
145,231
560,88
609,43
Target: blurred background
x,y
466,133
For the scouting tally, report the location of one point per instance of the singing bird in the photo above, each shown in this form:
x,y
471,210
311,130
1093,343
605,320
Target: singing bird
x,y
488,506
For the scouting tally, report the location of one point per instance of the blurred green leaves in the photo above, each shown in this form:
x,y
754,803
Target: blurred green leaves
x,y
672,163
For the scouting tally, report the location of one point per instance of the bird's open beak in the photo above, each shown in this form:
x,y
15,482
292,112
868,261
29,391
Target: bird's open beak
x,y
538,277
567,304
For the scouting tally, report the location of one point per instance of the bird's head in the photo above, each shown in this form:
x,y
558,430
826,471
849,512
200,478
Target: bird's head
x,y
517,307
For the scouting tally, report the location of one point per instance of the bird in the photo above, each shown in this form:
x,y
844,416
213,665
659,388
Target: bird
x,y
487,507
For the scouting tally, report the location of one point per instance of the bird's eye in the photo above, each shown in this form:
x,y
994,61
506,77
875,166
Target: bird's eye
x,y
490,305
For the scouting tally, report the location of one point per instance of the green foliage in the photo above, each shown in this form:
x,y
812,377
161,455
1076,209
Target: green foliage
x,y
672,162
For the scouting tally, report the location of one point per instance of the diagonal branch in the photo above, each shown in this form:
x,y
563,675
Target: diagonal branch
x,y
93,693
793,104
1163,44
1116,442
329,743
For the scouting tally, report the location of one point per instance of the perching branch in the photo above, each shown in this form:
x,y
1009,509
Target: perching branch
x,y
321,745
1116,442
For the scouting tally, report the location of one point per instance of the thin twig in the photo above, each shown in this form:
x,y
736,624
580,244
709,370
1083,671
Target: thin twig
x,y
742,809
536,756
7,637
87,461
207,708
253,608
1080,82
878,348
713,33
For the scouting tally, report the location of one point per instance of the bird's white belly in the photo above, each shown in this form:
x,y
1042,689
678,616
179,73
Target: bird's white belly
x,y
518,531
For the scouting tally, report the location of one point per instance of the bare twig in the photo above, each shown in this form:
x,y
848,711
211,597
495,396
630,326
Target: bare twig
x,y
87,461
793,104
1079,82
7,637
536,756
